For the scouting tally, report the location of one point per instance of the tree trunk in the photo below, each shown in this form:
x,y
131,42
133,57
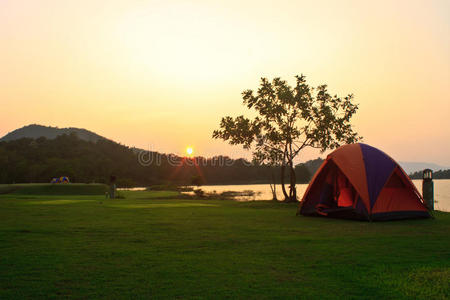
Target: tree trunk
x,y
292,189
292,181
283,188
274,189
283,168
293,184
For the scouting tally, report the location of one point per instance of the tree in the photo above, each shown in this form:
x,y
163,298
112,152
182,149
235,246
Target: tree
x,y
302,173
288,120
271,159
196,180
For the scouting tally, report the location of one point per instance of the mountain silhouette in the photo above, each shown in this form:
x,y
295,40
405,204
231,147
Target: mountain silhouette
x,y
35,131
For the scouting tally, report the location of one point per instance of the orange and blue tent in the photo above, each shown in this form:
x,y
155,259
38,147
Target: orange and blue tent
x,y
62,179
358,181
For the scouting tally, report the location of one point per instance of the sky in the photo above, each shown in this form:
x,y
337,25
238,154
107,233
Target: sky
x,y
160,75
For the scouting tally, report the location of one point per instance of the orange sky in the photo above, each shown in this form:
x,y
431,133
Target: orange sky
x,y
161,74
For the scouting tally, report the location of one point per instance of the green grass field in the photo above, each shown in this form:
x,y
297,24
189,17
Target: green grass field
x,y
54,189
152,244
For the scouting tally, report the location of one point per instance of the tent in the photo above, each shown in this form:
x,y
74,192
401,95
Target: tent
x,y
358,181
62,179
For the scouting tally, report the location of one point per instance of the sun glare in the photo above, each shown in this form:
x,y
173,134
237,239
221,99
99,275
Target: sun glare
x,y
189,150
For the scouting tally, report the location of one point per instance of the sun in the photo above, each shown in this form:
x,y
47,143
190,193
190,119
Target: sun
x,y
189,150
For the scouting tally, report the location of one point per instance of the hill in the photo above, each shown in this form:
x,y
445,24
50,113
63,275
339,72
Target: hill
x,y
29,160
312,165
35,131
411,167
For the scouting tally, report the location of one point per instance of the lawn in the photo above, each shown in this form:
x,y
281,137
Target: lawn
x,y
54,189
155,244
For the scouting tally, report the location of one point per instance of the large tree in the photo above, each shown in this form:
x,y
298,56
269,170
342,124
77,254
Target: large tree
x,y
288,120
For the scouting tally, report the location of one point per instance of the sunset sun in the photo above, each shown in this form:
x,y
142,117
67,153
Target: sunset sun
x,y
189,150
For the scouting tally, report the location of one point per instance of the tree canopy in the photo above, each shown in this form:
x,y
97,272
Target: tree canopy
x,y
289,119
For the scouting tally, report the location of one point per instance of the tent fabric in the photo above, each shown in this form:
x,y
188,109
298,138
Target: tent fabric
x,y
396,196
348,159
378,169
358,181
62,179
345,197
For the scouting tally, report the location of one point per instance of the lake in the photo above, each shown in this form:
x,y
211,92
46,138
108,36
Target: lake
x,y
262,191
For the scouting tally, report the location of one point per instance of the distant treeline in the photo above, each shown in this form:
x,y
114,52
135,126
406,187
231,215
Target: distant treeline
x,y
38,160
441,174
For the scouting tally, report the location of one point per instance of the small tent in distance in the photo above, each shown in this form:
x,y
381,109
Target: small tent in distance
x,y
358,181
62,179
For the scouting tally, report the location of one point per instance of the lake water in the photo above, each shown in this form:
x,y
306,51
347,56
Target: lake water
x,y
262,191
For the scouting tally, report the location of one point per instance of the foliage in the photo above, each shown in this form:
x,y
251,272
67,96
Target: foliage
x,y
289,119
302,173
196,180
312,165
199,192
38,160
441,174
